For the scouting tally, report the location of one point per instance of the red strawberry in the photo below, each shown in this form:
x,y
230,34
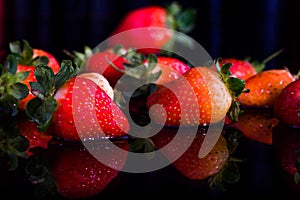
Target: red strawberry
x,y
265,87
144,20
74,105
287,105
244,69
78,174
171,69
101,63
28,58
32,134
197,99
241,69
89,98
257,125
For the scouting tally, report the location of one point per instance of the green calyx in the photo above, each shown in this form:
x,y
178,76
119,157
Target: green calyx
x,y
180,20
41,108
24,54
261,65
230,173
235,86
11,87
12,143
79,57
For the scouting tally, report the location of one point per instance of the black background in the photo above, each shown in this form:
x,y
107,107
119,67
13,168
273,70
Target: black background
x,y
225,28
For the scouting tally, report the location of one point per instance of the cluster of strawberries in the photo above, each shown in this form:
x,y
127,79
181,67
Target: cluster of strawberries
x,y
62,103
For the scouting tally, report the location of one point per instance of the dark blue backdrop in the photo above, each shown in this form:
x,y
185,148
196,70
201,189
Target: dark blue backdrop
x,y
223,27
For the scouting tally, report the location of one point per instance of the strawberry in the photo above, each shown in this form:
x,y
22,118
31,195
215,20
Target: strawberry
x,y
171,68
265,87
110,118
211,167
287,105
244,69
241,69
67,103
28,58
286,142
78,174
100,63
198,93
151,26
29,130
190,164
257,124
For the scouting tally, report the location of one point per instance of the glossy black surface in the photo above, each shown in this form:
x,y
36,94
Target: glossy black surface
x,y
260,176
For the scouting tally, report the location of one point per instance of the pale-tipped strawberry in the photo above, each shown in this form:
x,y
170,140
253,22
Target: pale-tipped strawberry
x,y
265,87
287,105
75,107
198,97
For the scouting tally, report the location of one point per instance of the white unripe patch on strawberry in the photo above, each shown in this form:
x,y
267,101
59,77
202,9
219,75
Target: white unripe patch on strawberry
x,y
101,81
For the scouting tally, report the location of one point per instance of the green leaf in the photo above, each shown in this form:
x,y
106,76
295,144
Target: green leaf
x,y
9,104
67,70
40,60
225,69
236,85
152,62
45,76
27,50
37,89
186,21
32,106
234,111
18,90
20,143
13,162
231,173
20,76
15,47
10,64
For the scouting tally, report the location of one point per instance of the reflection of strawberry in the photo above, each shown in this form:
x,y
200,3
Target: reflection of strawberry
x,y
199,91
286,141
287,105
189,164
80,175
241,69
32,134
265,87
257,125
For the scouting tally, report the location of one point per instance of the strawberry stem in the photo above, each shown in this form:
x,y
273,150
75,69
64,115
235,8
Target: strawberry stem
x,y
273,55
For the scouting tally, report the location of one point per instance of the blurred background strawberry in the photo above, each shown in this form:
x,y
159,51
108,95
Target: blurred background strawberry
x,y
224,28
